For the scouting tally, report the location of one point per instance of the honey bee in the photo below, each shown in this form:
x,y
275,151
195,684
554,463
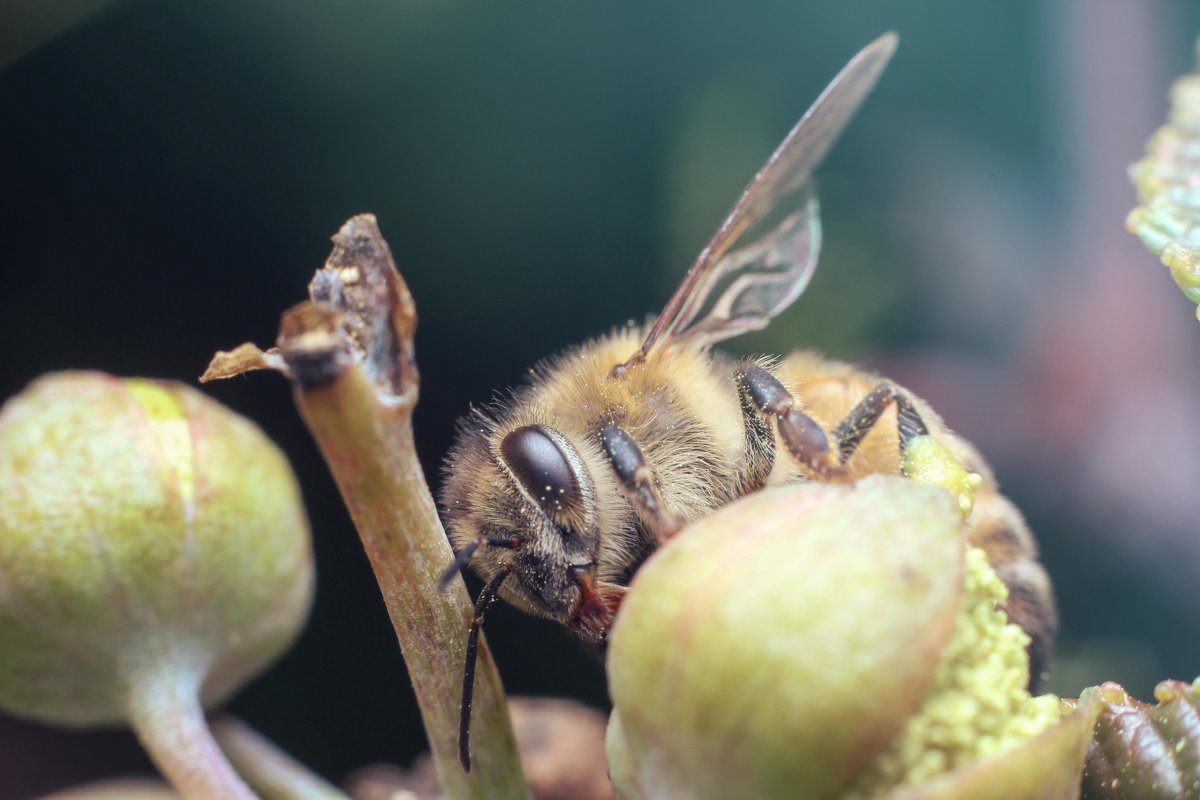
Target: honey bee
x,y
557,495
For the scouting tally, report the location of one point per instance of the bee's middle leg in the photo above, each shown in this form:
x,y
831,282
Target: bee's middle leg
x,y
762,398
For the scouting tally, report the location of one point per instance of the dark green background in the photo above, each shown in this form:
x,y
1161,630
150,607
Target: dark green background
x,y
172,173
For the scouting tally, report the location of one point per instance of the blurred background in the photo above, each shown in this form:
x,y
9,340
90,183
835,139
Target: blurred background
x,y
543,171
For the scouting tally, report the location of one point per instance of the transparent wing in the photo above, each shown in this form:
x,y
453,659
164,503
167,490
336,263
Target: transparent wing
x,y
765,251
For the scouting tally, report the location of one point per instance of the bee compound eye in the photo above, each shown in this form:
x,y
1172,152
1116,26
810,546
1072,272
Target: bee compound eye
x,y
539,463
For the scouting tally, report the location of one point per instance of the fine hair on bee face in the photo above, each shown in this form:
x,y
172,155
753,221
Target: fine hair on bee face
x,y
556,495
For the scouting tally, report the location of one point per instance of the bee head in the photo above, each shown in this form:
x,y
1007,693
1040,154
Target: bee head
x,y
524,502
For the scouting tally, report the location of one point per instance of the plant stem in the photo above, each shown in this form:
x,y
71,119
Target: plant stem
x,y
350,355
165,713
273,773
369,448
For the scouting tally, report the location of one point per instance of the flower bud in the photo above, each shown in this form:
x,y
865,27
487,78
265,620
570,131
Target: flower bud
x,y
779,644
822,641
145,531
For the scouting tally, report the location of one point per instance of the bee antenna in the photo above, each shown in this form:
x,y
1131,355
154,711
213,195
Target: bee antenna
x,y
485,599
464,556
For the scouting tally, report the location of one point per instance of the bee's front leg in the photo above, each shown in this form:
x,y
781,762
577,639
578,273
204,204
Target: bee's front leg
x,y
923,457
763,397
638,482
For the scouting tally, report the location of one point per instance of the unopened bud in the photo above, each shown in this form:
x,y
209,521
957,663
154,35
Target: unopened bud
x,y
146,534
829,641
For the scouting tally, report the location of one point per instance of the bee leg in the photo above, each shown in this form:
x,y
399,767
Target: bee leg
x,y
922,457
463,557
862,418
760,441
762,395
637,481
486,597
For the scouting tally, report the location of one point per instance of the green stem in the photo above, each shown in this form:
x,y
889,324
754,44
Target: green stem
x,y
273,773
350,355
165,713
368,445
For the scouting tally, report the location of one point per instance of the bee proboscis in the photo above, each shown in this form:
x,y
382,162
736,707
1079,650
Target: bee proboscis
x,y
556,495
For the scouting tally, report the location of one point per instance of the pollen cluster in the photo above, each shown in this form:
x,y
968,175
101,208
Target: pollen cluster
x,y
978,704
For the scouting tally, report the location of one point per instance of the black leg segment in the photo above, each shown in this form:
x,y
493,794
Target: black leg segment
x,y
764,396
463,557
486,597
764,390
862,418
760,441
637,480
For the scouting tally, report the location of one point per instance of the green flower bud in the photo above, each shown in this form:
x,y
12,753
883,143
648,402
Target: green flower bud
x,y
826,641
149,537
779,644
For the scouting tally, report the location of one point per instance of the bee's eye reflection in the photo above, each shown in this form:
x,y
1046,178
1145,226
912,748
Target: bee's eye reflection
x,y
538,462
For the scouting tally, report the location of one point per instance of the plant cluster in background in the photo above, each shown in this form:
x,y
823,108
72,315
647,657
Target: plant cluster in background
x,y
1168,221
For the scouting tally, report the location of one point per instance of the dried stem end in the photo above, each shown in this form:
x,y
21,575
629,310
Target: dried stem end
x,y
349,353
